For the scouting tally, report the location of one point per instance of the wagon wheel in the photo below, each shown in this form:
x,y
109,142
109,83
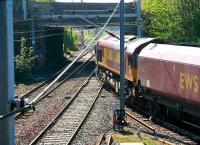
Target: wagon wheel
x,y
139,90
99,74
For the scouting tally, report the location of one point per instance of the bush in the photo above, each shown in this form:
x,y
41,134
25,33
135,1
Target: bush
x,y
24,62
70,40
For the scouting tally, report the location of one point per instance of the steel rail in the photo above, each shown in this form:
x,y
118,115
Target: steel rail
x,y
50,85
100,139
110,139
32,103
182,131
63,81
164,142
171,126
77,129
67,78
45,82
30,106
61,111
139,121
41,85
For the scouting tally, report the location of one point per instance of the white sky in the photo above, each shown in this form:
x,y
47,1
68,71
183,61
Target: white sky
x,y
95,1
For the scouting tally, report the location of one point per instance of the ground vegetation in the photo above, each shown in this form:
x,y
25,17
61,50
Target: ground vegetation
x,y
71,40
24,62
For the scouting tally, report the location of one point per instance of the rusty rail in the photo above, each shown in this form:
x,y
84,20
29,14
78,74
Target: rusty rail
x,y
164,141
53,121
141,122
110,139
101,138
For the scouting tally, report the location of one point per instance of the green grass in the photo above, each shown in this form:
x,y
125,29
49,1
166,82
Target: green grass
x,y
129,137
118,138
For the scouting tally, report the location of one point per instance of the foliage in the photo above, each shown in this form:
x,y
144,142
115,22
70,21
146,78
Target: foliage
x,y
171,20
91,33
24,61
189,12
133,138
70,40
88,35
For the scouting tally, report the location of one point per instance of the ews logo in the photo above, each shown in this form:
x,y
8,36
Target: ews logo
x,y
189,82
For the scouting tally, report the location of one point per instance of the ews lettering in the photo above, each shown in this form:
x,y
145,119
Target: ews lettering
x,y
189,82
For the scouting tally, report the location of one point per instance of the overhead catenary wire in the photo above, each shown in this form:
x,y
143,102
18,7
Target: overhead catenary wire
x,y
127,5
32,103
41,37
38,37
87,20
70,65
37,31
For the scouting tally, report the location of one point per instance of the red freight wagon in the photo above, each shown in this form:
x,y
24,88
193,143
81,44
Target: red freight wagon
x,y
173,71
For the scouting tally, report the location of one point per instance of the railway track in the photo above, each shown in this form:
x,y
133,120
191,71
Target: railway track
x,y
103,141
163,133
31,123
63,128
101,138
34,92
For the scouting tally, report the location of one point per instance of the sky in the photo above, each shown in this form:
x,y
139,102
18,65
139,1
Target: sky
x,y
95,1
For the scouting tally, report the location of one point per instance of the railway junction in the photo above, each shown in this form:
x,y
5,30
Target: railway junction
x,y
97,97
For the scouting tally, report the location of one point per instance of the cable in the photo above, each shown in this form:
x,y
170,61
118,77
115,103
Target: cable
x,y
22,32
41,37
32,103
18,21
19,40
87,20
70,65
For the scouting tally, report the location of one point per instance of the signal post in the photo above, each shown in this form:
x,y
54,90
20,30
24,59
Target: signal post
x,y
7,129
119,114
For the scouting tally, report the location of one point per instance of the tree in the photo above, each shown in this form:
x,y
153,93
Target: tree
x,y
25,61
189,12
171,20
70,40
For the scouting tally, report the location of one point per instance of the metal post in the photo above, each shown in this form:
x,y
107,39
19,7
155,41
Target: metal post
x,y
7,131
139,11
24,7
122,55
